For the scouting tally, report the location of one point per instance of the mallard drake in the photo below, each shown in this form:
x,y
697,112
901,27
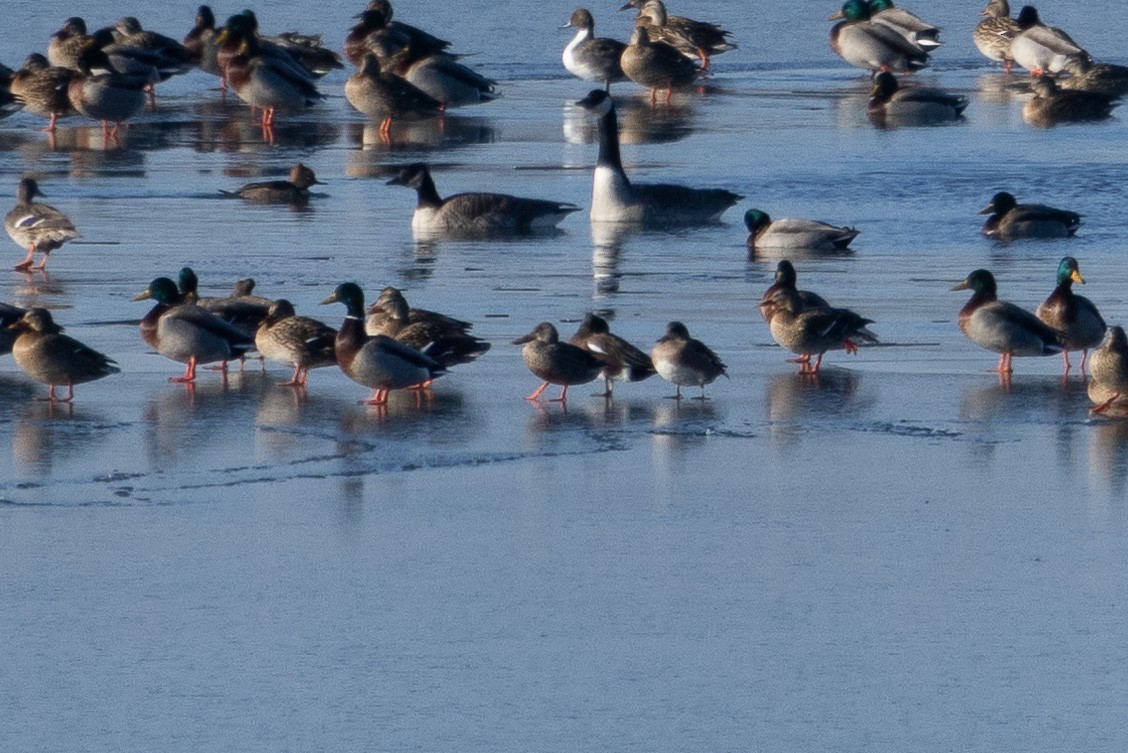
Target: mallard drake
x,y
889,104
35,226
475,213
445,79
693,39
1039,48
447,343
262,81
392,299
202,43
622,361
1001,326
614,198
240,309
1100,78
294,190
788,234
105,96
296,341
555,362
684,361
924,36
1010,220
187,333
9,315
656,65
813,330
787,279
1109,383
1051,105
45,354
42,88
994,33
241,27
378,362
590,57
68,43
1073,315
865,44
384,96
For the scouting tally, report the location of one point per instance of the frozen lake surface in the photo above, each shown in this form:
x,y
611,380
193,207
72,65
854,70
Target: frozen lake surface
x,y
903,554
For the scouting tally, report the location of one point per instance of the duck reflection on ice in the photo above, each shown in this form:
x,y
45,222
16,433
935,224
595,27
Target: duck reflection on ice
x,y
830,392
639,123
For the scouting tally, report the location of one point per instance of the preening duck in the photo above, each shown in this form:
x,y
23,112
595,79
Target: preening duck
x,y
614,198
475,213
1073,315
42,88
48,356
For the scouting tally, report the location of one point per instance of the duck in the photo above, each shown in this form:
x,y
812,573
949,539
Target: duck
x,y
889,104
1073,315
297,341
656,65
376,361
589,57
202,43
789,234
787,279
305,49
473,214
696,40
187,333
242,27
622,361
391,299
376,32
614,198
106,96
449,345
993,35
1039,48
294,190
684,361
177,58
262,81
1001,326
556,362
810,330
10,104
68,43
1010,220
9,315
240,308
42,88
382,95
1109,383
45,354
871,46
445,79
924,36
36,227
1100,78
1052,105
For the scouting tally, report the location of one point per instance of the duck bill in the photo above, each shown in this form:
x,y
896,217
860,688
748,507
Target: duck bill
x,y
989,209
626,6
396,181
836,16
531,336
331,299
144,295
961,285
1075,275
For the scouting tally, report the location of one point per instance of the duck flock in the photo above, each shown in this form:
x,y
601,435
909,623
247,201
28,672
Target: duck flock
x,y
404,73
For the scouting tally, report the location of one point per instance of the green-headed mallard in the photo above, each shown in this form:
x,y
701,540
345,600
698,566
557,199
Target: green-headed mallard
x,y
1073,315
924,36
1001,326
378,362
656,65
889,104
693,39
1052,105
1039,48
296,341
186,333
614,198
871,46
35,226
557,362
1010,220
266,82
383,96
808,330
590,57
789,234
1109,365
293,191
474,214
623,361
45,354
684,361
994,33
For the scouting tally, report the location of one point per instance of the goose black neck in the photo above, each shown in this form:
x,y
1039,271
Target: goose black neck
x,y
609,142
428,194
